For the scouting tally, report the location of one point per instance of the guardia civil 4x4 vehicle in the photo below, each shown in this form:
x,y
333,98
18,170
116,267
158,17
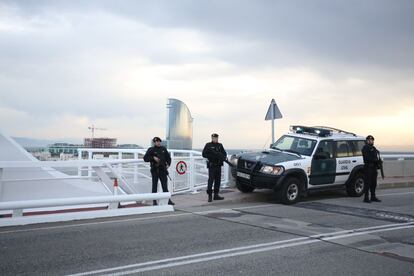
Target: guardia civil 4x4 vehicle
x,y
307,158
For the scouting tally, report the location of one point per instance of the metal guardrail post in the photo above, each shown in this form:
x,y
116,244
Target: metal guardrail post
x,y
136,169
172,187
80,152
17,213
120,165
402,166
89,168
193,187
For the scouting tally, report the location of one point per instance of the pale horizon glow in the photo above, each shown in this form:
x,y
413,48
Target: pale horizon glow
x,y
65,65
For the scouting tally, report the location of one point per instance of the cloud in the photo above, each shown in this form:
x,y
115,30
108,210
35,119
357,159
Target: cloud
x,y
67,64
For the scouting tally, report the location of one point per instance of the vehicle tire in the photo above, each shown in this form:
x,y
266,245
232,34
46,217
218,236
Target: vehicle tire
x,y
244,188
291,191
355,186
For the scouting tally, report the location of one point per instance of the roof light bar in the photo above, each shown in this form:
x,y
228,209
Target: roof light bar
x,y
311,130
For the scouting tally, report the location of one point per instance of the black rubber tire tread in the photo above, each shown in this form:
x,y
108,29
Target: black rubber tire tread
x,y
283,192
350,186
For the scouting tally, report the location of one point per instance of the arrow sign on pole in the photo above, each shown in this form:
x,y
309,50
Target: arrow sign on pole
x,y
273,113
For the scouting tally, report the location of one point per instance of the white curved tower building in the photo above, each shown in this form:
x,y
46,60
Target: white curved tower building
x,y
179,125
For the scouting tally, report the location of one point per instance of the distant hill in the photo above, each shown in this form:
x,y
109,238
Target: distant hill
x,y
37,143
30,142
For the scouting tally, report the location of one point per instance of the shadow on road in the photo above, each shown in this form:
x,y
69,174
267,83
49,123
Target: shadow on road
x,y
268,196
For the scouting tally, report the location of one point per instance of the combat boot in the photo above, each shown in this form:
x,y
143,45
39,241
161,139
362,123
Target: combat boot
x,y
217,197
375,199
210,198
366,199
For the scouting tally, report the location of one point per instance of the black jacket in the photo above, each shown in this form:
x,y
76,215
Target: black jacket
x,y
160,152
370,155
215,153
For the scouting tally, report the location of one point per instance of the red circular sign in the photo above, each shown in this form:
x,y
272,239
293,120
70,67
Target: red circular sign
x,y
181,167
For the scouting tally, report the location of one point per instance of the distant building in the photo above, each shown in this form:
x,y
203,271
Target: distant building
x,y
42,155
36,149
100,143
63,148
129,146
179,125
66,156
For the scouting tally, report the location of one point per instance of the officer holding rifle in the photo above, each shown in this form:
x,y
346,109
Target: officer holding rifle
x,y
160,160
372,162
216,155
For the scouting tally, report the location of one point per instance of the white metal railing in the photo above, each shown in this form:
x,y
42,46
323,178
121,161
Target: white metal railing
x,y
105,171
193,179
398,165
18,206
400,157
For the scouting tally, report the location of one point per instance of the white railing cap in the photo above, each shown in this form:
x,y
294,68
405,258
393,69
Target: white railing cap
x,y
397,155
116,150
10,205
70,163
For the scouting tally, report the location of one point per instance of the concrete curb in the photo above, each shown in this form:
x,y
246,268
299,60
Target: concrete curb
x,y
405,184
388,183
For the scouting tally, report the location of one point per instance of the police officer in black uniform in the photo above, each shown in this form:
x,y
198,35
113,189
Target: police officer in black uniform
x,y
215,153
371,166
160,160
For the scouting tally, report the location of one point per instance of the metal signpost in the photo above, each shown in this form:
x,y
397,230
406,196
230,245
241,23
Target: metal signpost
x,y
273,113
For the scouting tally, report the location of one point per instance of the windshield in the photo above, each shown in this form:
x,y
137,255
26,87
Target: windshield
x,y
298,145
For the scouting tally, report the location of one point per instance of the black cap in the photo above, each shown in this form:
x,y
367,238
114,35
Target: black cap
x,y
156,139
214,135
370,137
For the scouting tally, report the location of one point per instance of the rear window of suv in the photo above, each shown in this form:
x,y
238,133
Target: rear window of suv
x,y
349,148
357,147
343,149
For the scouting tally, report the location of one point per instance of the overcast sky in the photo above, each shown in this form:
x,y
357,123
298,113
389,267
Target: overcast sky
x,y
65,65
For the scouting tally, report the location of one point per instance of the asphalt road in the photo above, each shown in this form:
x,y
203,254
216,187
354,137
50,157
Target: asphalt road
x,y
327,234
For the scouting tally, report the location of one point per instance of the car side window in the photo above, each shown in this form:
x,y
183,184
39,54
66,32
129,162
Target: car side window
x,y
325,150
305,146
357,147
343,149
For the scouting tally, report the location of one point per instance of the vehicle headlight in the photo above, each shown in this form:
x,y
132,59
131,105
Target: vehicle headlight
x,y
275,170
234,161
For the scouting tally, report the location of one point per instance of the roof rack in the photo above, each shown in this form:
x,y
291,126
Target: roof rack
x,y
321,132
335,129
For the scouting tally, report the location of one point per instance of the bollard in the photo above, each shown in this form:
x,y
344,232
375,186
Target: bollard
x,y
115,205
116,186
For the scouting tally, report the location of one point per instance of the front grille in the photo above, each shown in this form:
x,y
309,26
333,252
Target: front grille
x,y
244,164
243,181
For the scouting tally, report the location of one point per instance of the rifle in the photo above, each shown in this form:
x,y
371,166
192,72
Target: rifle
x,y
162,164
168,175
220,157
380,164
228,163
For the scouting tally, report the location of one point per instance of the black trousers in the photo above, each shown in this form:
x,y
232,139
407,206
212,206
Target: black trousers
x,y
160,174
370,181
214,176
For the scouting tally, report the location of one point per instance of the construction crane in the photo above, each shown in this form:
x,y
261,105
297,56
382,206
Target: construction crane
x,y
93,128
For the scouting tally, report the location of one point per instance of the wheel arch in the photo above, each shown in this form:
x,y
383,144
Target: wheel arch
x,y
355,171
298,173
